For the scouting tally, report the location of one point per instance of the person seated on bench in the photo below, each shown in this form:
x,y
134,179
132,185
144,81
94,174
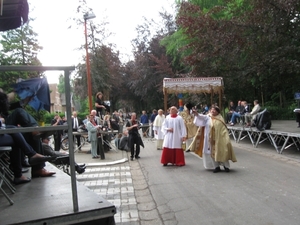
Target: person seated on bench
x,y
60,156
15,115
231,110
240,114
249,117
19,146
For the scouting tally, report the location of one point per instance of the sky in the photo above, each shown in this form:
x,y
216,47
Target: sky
x,y
59,43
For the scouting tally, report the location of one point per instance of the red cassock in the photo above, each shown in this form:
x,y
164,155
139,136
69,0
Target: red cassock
x,y
173,156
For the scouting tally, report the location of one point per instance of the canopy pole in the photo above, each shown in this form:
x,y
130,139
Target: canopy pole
x,y
220,99
211,96
165,102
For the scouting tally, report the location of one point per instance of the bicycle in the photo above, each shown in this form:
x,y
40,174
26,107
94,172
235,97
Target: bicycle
x,y
65,141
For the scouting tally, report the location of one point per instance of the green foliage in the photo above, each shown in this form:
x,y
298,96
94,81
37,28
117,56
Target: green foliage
x,y
18,47
279,113
85,106
205,4
175,42
39,116
61,84
251,44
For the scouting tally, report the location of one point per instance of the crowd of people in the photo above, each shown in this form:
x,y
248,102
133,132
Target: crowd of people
x,y
31,149
202,131
23,144
242,113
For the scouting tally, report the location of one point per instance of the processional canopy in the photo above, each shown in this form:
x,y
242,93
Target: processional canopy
x,y
196,85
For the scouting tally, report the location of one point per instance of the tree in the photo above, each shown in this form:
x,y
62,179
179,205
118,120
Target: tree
x,y
19,47
252,44
151,63
105,65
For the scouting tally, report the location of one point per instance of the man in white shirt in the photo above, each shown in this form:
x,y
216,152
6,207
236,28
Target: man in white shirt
x,y
76,122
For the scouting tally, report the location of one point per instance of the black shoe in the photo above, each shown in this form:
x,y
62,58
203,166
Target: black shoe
x,y
21,181
82,165
165,164
79,169
226,169
217,169
131,158
137,157
188,150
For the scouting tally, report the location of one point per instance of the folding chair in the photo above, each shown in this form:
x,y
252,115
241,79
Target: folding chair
x,y
3,170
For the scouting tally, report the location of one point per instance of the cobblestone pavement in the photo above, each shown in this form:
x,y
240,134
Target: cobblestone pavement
x,y
112,179
114,183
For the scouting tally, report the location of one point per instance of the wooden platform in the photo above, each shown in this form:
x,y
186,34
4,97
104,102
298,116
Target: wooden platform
x,y
282,135
49,201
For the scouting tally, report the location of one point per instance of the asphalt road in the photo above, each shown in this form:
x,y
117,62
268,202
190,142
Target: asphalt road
x,y
261,188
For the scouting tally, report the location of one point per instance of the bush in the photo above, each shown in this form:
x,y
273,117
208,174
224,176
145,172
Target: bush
x,y
279,113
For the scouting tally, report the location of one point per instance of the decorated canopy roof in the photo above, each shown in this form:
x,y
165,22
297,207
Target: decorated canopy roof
x,y
195,85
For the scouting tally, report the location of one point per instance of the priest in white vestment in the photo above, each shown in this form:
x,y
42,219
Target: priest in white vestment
x,y
175,133
157,124
216,145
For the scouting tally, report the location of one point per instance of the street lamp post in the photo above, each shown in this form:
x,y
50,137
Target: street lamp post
x,y
86,17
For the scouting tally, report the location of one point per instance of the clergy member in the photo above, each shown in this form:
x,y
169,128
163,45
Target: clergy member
x,y
216,145
157,124
175,133
191,128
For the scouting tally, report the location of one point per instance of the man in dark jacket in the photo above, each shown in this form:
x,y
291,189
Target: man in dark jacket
x,y
132,126
61,157
76,123
58,134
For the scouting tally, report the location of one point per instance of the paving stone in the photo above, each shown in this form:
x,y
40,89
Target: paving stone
x,y
122,184
149,214
146,206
